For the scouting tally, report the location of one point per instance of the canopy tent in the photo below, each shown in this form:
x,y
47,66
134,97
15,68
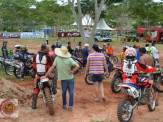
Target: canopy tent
x,y
86,21
103,26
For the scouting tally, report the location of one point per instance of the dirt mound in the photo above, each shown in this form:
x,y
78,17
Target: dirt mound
x,y
13,91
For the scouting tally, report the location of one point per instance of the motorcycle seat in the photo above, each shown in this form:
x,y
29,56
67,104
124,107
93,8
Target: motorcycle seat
x,y
135,86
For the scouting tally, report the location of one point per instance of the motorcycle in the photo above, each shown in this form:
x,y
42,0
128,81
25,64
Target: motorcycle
x,y
117,79
9,66
110,65
28,69
1,62
78,61
134,96
45,86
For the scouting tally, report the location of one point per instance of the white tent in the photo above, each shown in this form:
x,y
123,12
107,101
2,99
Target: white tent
x,y
86,21
103,26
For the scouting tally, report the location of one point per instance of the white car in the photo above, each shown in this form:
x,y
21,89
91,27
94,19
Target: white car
x,y
102,38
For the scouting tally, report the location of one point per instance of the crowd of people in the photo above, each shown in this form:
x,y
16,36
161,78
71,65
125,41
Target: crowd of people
x,y
58,61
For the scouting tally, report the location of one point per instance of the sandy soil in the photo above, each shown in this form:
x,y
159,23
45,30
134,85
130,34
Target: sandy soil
x,y
85,109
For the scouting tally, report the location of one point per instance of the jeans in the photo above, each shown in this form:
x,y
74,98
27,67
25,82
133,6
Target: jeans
x,y
68,84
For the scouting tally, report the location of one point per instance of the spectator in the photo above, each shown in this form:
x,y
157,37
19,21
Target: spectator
x,y
78,50
4,50
85,53
109,50
95,65
52,52
145,58
155,53
103,48
70,50
47,39
64,62
148,49
136,47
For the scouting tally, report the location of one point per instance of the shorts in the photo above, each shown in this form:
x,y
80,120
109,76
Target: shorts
x,y
84,63
97,77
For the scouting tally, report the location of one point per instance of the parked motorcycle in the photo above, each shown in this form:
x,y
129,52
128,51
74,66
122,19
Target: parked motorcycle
x,y
117,79
135,96
45,86
28,69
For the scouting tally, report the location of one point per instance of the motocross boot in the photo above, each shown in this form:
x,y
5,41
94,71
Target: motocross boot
x,y
34,101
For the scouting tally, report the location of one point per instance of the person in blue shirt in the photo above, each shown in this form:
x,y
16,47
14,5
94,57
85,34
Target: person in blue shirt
x,y
85,53
136,46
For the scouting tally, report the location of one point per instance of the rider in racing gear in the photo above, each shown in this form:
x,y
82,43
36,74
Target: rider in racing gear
x,y
16,52
41,64
131,67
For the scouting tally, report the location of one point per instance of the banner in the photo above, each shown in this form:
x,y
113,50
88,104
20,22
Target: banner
x,y
9,35
69,34
29,35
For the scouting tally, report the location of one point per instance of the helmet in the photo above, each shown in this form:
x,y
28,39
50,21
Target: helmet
x,y
126,46
86,45
17,46
77,47
130,53
104,44
23,47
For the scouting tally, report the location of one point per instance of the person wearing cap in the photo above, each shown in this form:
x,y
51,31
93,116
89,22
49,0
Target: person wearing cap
x,y
4,50
95,67
64,62
85,53
155,53
136,47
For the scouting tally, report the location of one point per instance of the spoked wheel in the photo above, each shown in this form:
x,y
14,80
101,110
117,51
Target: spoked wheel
x,y
124,111
9,70
1,65
88,79
115,59
18,74
49,100
115,82
159,84
152,101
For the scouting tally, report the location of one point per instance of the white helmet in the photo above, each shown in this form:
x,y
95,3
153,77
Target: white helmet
x,y
86,45
130,53
17,46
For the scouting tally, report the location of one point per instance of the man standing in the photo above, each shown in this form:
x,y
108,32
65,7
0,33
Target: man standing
x,y
145,58
85,53
4,50
64,62
41,64
155,53
47,39
70,50
109,50
136,47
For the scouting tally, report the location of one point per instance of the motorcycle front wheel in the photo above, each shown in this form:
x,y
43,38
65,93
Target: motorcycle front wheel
x,y
49,100
88,79
18,74
9,70
152,101
124,111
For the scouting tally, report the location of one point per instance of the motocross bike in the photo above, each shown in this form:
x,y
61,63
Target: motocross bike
x,y
110,65
134,96
46,88
28,69
9,66
1,62
78,61
117,79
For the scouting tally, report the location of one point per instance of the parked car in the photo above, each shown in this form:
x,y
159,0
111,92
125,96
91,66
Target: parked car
x,y
102,38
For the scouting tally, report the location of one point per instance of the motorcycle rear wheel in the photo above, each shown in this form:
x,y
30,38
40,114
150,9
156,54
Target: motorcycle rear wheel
x,y
49,100
17,73
123,108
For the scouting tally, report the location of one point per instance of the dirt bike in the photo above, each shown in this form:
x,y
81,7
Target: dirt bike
x,y
117,79
28,69
110,65
1,62
9,66
134,96
78,61
45,86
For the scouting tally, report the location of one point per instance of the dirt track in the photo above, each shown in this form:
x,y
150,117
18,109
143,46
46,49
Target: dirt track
x,y
85,109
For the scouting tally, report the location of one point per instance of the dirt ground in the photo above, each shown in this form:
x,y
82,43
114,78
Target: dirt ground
x,y
85,109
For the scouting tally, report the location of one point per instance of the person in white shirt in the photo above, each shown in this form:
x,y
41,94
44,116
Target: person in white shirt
x,y
155,53
47,39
